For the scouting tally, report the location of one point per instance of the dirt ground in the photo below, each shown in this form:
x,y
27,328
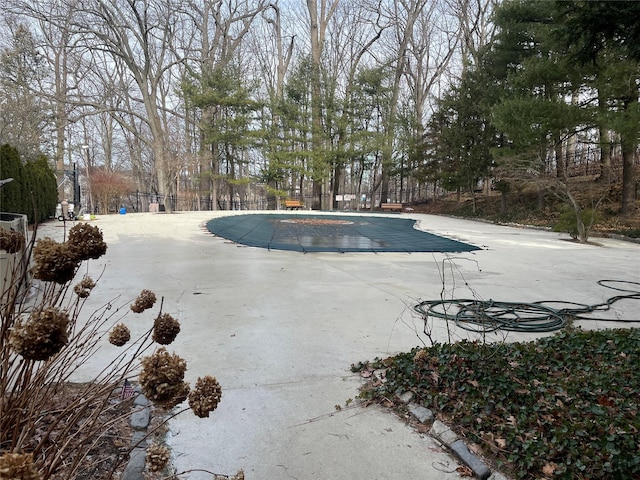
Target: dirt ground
x,y
107,456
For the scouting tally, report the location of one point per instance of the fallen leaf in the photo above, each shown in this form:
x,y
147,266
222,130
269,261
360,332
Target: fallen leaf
x,y
380,373
605,401
549,469
464,471
474,448
501,442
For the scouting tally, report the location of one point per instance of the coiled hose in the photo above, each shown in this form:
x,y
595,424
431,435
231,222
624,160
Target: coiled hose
x,y
490,315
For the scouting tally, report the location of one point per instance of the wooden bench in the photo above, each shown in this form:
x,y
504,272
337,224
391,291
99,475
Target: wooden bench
x,y
391,206
293,204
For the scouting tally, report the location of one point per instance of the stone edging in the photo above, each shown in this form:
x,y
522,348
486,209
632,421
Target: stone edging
x,y
141,417
447,437
139,421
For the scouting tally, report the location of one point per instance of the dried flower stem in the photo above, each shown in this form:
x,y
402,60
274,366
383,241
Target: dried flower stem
x,y
37,416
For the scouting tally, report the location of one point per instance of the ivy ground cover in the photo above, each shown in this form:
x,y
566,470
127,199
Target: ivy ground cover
x,y
560,407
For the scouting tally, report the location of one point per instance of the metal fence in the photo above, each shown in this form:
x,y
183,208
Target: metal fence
x,y
152,202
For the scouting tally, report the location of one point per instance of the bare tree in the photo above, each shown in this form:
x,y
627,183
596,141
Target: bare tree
x,y
220,28
356,29
274,58
432,46
476,27
57,48
140,35
403,14
320,15
24,115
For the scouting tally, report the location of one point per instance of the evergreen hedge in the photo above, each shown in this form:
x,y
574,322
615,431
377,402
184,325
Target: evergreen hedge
x,y
33,191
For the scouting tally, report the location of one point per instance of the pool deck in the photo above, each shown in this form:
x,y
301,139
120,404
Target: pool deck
x,y
280,329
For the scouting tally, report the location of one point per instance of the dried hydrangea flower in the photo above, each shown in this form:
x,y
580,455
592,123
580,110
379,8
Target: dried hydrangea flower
x,y
42,335
119,335
53,261
205,396
162,377
11,241
85,241
145,300
165,329
157,457
83,289
18,466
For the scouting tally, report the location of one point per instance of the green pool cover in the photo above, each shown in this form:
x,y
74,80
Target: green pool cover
x,y
331,233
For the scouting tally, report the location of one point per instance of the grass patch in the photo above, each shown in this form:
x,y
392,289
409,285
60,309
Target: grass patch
x,y
564,406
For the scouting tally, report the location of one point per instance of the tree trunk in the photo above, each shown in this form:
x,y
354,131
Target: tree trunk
x,y
283,58
629,144
336,178
580,227
605,141
561,166
405,34
317,31
605,156
160,151
61,71
628,178
541,191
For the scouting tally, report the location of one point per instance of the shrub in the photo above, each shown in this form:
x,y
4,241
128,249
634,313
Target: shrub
x,y
33,191
568,222
49,427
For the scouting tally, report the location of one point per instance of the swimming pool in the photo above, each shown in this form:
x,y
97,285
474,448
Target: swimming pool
x,y
331,233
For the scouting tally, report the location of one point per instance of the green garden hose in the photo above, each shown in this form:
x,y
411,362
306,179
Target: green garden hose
x,y
490,315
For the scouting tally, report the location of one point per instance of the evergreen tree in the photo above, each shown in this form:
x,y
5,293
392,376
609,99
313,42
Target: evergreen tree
x,y
24,115
538,79
549,95
369,110
12,194
228,128
43,188
465,134
596,26
33,191
288,145
605,37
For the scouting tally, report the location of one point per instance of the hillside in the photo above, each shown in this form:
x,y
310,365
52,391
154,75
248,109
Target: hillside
x,y
523,208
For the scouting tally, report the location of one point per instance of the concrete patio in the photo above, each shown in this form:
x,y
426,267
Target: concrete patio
x,y
280,329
